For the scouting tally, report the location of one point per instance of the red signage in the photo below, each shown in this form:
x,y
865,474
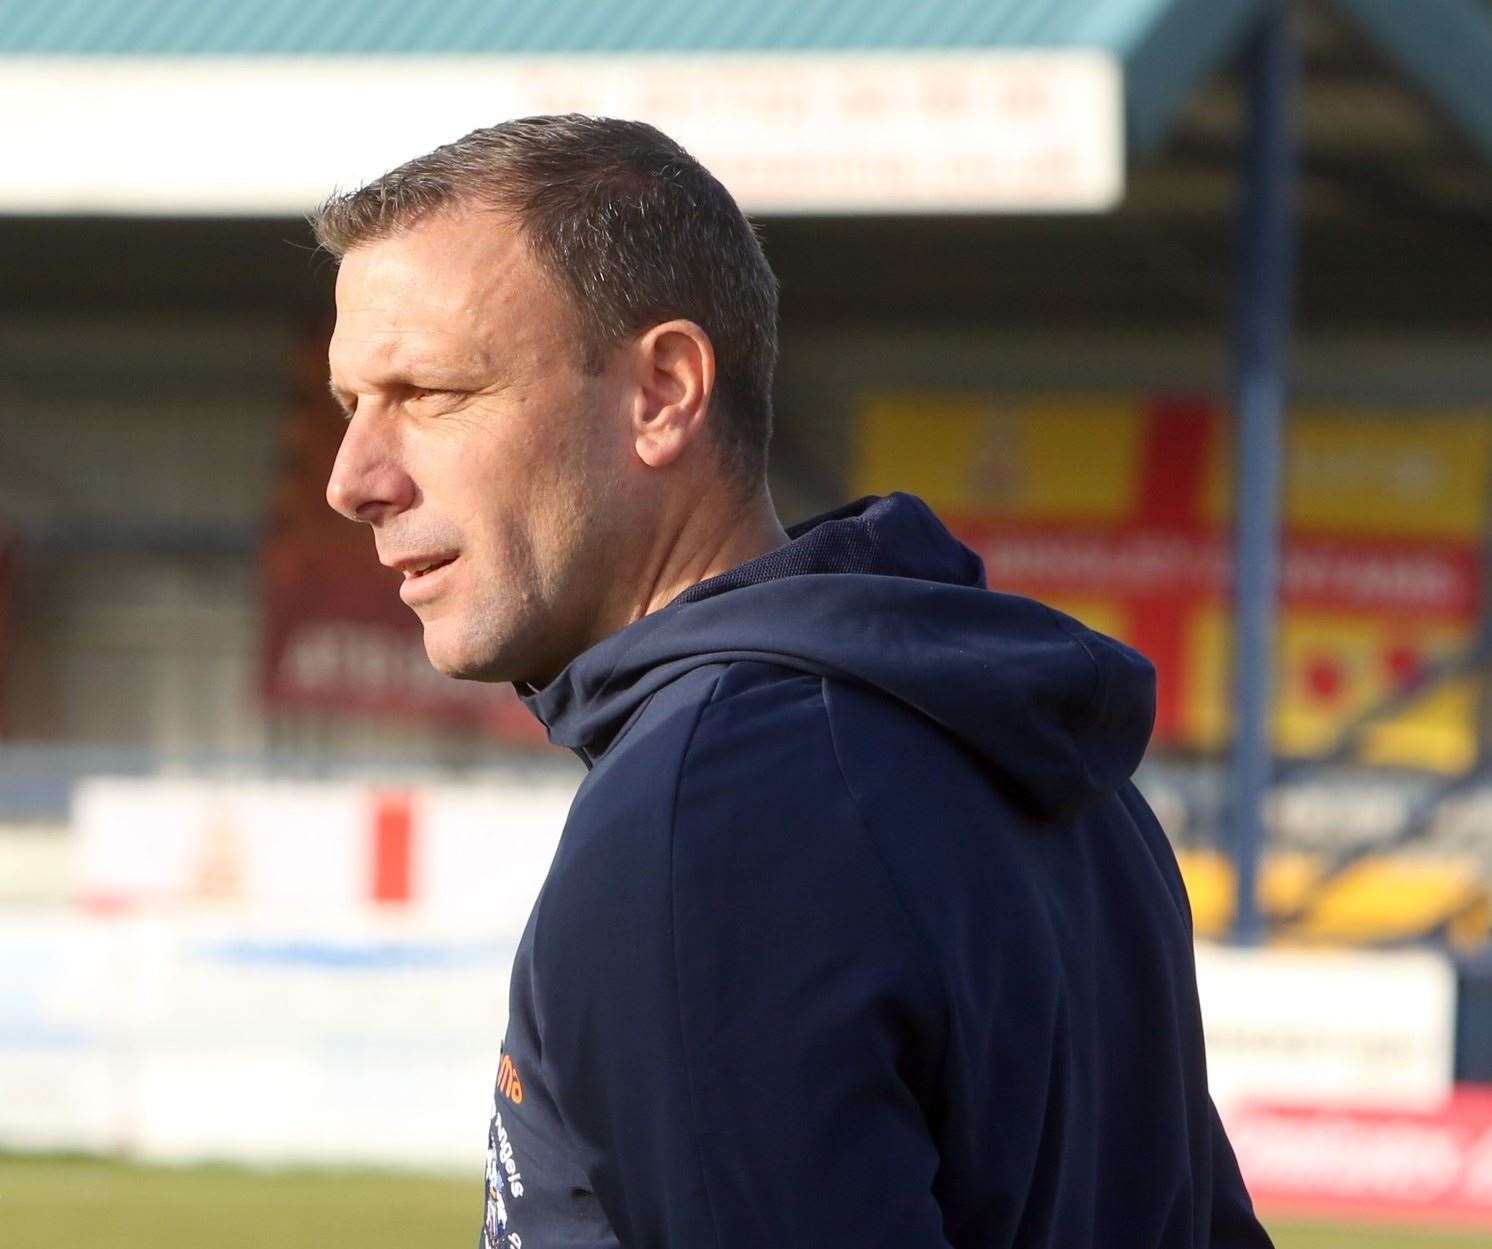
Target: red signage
x,y
1117,508
1427,1166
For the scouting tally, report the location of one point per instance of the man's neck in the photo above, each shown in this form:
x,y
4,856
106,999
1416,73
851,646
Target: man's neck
x,y
708,544
703,544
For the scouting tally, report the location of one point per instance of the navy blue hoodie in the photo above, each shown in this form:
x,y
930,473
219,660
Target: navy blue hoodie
x,y
858,933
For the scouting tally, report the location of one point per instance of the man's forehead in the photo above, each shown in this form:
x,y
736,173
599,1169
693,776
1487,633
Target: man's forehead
x,y
437,295
448,259
388,292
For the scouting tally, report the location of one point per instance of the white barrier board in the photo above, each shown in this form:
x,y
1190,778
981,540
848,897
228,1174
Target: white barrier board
x,y
362,1041
246,1000
474,853
1328,1027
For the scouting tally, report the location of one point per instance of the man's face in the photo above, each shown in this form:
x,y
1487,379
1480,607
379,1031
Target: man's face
x,y
492,470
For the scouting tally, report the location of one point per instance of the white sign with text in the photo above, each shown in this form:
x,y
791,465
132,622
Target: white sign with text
x,y
847,133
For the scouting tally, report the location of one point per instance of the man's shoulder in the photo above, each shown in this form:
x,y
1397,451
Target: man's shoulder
x,y
725,785
743,746
731,699
737,717
785,723
631,789
763,723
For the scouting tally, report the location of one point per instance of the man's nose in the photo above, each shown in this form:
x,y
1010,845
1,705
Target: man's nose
x,y
368,481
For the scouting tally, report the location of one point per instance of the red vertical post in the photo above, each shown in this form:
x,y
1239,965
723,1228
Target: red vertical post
x,y
393,846
1173,479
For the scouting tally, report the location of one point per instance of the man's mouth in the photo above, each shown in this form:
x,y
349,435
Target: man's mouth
x,y
424,578
421,569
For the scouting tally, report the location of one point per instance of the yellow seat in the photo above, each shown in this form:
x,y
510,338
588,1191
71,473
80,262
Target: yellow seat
x,y
1381,900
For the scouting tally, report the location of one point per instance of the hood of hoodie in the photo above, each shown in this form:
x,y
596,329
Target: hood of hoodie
x,y
881,594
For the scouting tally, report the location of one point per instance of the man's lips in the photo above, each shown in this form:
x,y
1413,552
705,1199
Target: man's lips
x,y
423,576
419,565
424,570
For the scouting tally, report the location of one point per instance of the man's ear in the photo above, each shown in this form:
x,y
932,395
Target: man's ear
x,y
675,364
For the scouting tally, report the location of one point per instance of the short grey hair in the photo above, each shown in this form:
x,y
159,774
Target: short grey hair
x,y
633,228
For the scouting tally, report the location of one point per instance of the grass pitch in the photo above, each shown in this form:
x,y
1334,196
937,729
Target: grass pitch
x,y
58,1203
55,1203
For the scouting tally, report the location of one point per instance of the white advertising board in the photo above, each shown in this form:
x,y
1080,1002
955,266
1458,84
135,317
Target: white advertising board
x,y
243,996
1027,131
66,987
1328,1027
476,853
370,1038
364,1040
238,986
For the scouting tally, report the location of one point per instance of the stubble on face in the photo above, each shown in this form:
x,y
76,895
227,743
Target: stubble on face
x,y
477,432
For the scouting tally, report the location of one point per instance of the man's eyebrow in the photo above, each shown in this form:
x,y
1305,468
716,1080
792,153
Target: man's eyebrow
x,y
418,375
433,372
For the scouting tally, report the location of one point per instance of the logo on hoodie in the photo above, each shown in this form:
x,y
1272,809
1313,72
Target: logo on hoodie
x,y
508,1083
504,1182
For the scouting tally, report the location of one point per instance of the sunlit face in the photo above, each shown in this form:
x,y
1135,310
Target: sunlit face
x,y
491,468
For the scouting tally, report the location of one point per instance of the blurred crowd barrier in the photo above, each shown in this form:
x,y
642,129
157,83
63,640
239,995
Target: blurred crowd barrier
x,y
336,1039
472,854
316,972
272,972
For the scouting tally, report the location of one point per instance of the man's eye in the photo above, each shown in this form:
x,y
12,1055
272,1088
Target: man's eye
x,y
433,398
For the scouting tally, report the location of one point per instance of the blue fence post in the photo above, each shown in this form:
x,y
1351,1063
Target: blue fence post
x,y
1265,283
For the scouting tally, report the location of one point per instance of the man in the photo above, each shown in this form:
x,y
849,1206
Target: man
x,y
858,934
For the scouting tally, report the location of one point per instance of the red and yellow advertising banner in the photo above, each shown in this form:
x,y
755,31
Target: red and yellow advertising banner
x,y
336,635
1117,510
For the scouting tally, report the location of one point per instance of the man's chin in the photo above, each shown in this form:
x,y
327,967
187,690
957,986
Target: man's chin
x,y
493,660
459,662
471,659
464,668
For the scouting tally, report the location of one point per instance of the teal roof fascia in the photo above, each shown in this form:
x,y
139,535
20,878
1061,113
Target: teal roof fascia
x,y
1443,45
494,27
1167,47
1184,44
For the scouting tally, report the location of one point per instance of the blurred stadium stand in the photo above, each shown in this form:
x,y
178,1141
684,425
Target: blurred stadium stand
x,y
156,398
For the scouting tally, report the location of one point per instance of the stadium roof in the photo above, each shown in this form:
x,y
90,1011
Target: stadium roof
x,y
1445,45
326,27
160,67
1166,47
